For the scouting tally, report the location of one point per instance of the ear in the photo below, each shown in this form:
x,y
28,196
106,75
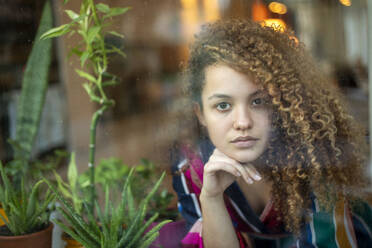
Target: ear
x,y
199,113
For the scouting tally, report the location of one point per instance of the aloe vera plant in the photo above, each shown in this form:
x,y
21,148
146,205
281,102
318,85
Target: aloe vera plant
x,y
118,226
24,211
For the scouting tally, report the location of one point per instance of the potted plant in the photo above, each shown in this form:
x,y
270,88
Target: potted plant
x,y
25,207
119,225
27,221
112,172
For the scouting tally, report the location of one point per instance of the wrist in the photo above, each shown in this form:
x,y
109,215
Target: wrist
x,y
206,197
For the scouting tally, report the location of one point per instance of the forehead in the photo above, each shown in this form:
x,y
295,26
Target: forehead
x,y
222,79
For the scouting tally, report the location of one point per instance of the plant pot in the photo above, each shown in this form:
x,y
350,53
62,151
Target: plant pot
x,y
41,239
70,242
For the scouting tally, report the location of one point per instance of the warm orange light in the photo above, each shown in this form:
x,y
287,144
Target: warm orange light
x,y
277,8
189,4
190,16
259,11
211,10
345,2
276,24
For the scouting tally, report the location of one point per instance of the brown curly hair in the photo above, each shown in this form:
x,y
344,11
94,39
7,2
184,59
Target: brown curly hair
x,y
316,148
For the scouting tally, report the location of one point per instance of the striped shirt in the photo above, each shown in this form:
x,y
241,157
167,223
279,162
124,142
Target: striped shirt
x,y
343,228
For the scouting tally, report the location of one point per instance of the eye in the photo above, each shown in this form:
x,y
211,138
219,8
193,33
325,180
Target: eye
x,y
257,101
223,106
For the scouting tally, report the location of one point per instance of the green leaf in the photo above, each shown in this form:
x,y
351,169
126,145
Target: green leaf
x,y
116,34
72,14
62,186
34,85
77,237
86,75
117,50
56,32
116,11
78,224
150,240
72,173
110,83
33,198
142,230
83,58
154,232
104,8
92,33
133,226
131,207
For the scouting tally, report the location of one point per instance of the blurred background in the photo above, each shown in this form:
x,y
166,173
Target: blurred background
x,y
143,124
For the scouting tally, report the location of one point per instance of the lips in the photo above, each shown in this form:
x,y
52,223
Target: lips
x,y
244,141
243,138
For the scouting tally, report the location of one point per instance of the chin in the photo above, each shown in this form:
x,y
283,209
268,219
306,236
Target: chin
x,y
245,157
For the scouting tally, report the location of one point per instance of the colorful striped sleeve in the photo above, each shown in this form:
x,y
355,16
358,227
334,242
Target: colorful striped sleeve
x,y
341,228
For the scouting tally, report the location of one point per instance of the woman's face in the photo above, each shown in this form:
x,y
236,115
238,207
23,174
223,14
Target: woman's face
x,y
235,113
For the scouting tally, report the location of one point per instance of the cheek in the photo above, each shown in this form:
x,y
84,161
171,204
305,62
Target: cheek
x,y
217,127
263,121
216,120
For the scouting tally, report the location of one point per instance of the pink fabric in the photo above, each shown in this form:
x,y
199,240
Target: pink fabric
x,y
170,235
194,236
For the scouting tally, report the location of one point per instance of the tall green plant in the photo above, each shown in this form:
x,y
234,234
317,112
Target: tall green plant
x,y
34,85
26,209
92,25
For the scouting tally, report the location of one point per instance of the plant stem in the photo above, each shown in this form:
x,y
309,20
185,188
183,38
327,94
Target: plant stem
x,y
94,12
92,149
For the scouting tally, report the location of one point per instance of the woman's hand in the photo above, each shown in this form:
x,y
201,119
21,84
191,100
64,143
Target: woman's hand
x,y
221,171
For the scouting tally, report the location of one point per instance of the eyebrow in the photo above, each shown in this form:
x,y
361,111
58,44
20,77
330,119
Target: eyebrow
x,y
219,96
223,96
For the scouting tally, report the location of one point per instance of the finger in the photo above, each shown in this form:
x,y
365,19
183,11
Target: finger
x,y
218,156
216,166
252,172
239,167
244,172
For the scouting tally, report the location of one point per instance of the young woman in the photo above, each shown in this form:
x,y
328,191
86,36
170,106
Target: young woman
x,y
281,163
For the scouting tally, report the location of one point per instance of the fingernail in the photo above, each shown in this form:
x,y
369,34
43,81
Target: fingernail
x,y
257,177
238,174
249,181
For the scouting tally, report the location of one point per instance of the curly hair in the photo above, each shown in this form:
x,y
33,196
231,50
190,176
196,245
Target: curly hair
x,y
316,148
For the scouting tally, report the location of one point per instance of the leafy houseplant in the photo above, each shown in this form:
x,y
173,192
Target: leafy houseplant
x,y
91,25
25,213
25,209
111,172
120,225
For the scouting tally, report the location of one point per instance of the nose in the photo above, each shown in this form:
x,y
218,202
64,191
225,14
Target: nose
x,y
243,119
